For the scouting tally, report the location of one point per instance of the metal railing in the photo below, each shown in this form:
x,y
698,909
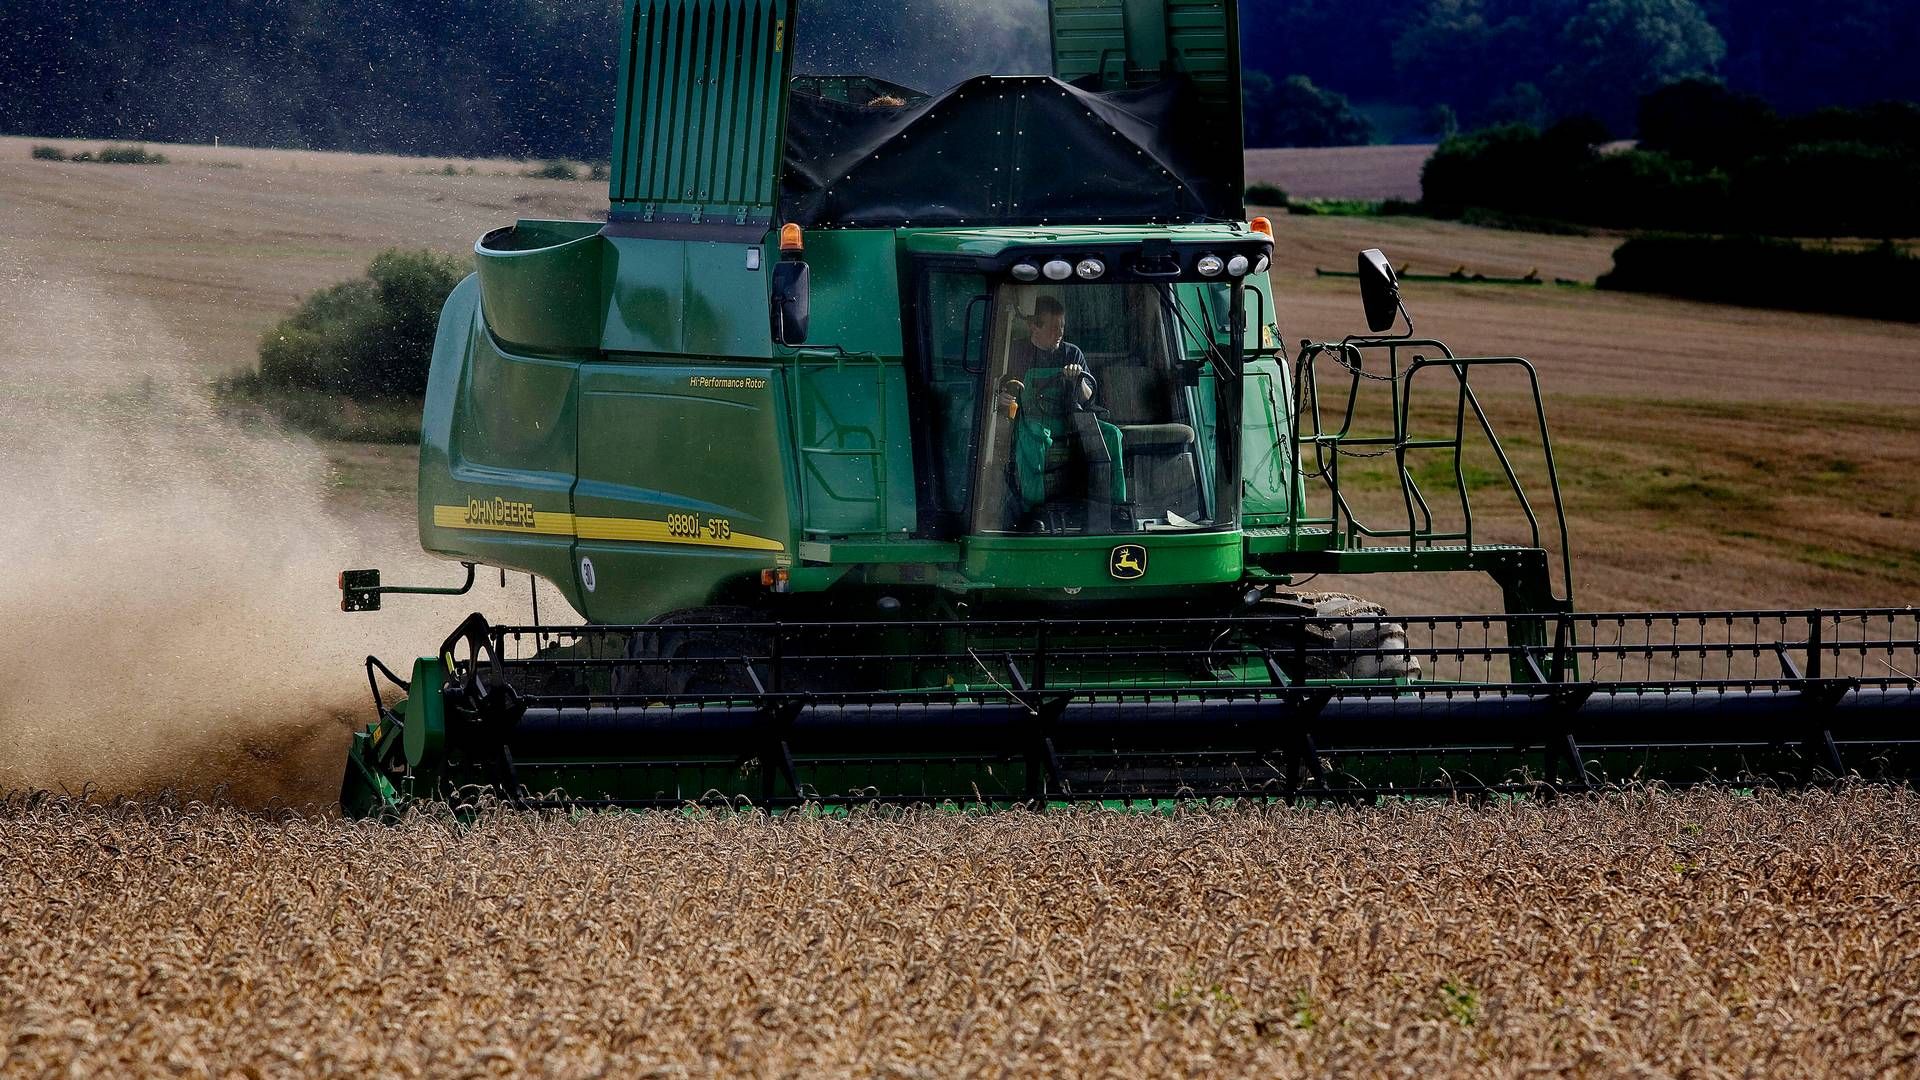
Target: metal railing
x,y
1327,445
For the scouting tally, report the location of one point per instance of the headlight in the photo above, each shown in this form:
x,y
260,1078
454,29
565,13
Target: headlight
x,y
1090,269
1026,271
1057,270
1261,266
1237,266
1210,266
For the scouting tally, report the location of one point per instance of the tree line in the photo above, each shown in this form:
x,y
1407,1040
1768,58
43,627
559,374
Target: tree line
x,y
532,78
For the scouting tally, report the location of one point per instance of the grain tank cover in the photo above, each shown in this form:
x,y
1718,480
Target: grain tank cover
x,y
715,136
701,105
1013,150
1128,44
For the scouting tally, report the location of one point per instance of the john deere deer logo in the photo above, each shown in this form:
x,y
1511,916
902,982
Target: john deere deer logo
x,y
1127,562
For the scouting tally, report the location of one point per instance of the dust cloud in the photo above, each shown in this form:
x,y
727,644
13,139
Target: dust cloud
x,y
168,611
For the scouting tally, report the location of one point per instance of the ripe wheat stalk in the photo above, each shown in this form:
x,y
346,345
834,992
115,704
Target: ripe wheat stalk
x,y
1704,933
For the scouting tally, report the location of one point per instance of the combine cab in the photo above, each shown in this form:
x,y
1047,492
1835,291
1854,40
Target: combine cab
x,y
938,444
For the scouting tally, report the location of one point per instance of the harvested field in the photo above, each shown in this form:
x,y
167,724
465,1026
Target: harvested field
x,y
1645,933
1341,172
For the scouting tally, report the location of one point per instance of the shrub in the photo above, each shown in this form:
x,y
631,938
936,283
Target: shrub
x,y
1334,207
599,172
370,338
1645,189
1879,282
1514,168
49,153
555,170
1265,194
129,155
1857,188
1712,161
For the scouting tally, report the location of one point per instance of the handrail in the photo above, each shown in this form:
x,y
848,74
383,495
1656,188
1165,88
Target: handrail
x,y
1329,444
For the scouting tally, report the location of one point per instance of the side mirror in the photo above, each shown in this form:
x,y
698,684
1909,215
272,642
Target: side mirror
x,y
1379,290
791,302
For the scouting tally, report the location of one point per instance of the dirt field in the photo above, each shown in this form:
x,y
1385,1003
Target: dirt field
x,y
1702,934
1341,172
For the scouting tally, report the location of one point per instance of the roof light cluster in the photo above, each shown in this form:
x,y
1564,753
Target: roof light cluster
x,y
1209,265
1060,270
1234,266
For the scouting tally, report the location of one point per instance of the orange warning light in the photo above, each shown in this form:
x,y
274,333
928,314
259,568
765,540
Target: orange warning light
x,y
791,242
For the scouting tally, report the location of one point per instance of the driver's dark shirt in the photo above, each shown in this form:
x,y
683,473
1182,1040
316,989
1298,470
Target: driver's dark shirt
x,y
1025,356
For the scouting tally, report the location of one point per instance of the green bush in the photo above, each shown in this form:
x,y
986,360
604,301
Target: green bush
x,y
1335,207
555,170
49,153
1879,282
370,338
1712,161
1514,168
129,155
1850,188
1265,194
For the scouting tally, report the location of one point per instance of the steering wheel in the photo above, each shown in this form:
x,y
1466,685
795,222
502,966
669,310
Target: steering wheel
x,y
1088,384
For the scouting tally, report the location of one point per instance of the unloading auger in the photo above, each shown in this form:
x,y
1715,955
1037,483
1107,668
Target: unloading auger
x,y
926,446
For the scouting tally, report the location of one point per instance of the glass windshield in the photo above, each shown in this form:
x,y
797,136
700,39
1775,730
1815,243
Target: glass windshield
x,y
1100,411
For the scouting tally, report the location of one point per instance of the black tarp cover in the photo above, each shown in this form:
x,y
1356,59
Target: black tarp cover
x,y
1025,150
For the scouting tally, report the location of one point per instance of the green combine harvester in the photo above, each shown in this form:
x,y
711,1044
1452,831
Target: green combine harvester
x,y
917,446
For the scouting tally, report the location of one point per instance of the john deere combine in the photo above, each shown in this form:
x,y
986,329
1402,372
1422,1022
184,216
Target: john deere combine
x,y
940,445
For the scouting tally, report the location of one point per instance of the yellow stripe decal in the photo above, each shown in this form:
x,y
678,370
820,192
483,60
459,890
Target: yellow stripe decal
x,y
517,518
534,522
640,530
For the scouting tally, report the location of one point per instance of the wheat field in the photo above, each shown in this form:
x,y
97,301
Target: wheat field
x,y
1703,933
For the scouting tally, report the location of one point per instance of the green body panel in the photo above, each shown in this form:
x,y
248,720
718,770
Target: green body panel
x,y
425,735
497,434
1077,562
682,488
855,457
856,291
683,297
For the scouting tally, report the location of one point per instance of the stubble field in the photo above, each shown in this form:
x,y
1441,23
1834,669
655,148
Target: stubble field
x,y
1712,457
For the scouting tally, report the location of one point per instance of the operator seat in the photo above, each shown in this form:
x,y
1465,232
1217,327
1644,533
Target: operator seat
x,y
1064,473
1160,468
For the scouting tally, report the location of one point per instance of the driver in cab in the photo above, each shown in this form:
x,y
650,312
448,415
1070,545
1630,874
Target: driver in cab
x,y
1046,348
1046,382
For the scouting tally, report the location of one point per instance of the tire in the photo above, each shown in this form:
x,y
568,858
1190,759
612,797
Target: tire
x,y
696,651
